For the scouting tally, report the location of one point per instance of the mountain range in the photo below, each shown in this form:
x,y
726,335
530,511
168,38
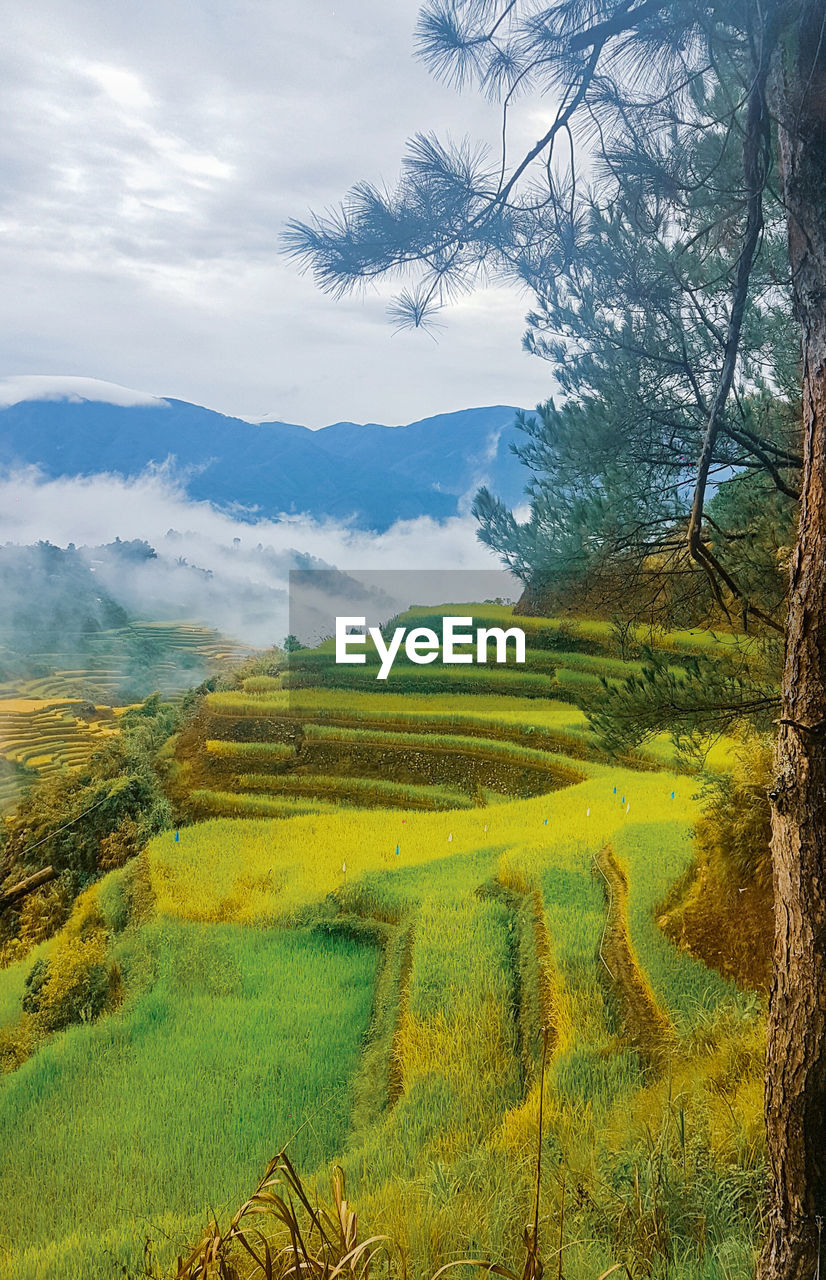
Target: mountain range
x,y
368,475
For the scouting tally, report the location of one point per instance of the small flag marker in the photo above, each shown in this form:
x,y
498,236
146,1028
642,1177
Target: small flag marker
x,y
397,851
615,791
628,806
622,801
587,813
545,823
177,837
450,837
673,793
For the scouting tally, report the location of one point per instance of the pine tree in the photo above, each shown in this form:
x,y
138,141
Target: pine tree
x,y
656,90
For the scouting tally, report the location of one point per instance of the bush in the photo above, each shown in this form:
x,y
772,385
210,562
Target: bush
x,y
736,823
114,899
43,912
35,979
120,845
75,984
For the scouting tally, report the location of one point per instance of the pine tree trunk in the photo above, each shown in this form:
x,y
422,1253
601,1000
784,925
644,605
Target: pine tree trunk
x,y
796,1061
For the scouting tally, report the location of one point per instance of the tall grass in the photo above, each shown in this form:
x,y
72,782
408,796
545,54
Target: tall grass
x,y
233,804
654,856
225,870
145,1123
250,752
417,1173
449,711
470,680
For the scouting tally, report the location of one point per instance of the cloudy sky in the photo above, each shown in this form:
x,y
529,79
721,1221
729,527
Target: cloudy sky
x,y
150,156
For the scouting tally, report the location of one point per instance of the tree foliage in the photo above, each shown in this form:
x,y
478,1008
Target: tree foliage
x,y
646,224
85,821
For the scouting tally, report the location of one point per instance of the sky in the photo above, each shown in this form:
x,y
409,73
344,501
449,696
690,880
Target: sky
x,y
150,158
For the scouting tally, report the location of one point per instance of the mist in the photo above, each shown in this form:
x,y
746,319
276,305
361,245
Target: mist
x,y
211,567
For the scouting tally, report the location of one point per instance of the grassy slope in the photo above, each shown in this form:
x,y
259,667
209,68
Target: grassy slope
x,y
468,886
150,1119
261,871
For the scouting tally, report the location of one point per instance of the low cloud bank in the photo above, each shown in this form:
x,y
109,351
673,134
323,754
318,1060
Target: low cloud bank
x,y
17,390
210,567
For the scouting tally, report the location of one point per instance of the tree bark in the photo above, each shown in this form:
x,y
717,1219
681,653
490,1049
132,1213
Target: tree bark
x,y
796,1056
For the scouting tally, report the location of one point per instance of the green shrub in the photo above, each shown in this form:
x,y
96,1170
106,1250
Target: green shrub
x,y
35,980
74,987
736,823
75,983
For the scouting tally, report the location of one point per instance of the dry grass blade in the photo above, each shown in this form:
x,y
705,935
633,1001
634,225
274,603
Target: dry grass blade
x,y
618,1266
311,1242
308,1242
483,1264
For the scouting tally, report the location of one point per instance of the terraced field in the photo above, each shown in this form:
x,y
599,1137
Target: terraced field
x,y
137,659
492,884
55,721
478,731
38,737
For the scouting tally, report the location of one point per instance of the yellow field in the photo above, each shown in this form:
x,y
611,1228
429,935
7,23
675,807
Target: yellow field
x,y
261,871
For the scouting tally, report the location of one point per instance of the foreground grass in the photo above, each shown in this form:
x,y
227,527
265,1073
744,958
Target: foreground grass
x,y
148,1121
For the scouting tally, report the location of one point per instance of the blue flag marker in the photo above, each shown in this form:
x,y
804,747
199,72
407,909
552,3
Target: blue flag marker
x,y
672,795
622,801
397,851
545,823
177,837
615,791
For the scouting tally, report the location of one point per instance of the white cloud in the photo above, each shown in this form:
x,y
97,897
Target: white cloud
x,y
124,87
210,567
150,157
15,390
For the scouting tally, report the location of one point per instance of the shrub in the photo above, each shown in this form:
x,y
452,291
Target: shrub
x,y
35,979
120,845
75,984
43,912
736,823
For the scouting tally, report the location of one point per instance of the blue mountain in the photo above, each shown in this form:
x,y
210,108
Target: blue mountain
x,y
369,474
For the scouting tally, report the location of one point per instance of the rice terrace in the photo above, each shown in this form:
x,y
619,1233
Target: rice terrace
x,y
481,981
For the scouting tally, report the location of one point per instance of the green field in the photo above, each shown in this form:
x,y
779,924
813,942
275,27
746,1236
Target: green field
x,y
230,1039
383,901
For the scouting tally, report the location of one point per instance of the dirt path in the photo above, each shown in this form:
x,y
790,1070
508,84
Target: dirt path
x,y
643,1021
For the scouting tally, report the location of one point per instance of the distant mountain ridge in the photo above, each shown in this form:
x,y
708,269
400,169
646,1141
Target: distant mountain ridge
x,y
370,475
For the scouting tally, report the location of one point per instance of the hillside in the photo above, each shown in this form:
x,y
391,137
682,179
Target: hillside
x,y
384,904
71,658
62,633
369,474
